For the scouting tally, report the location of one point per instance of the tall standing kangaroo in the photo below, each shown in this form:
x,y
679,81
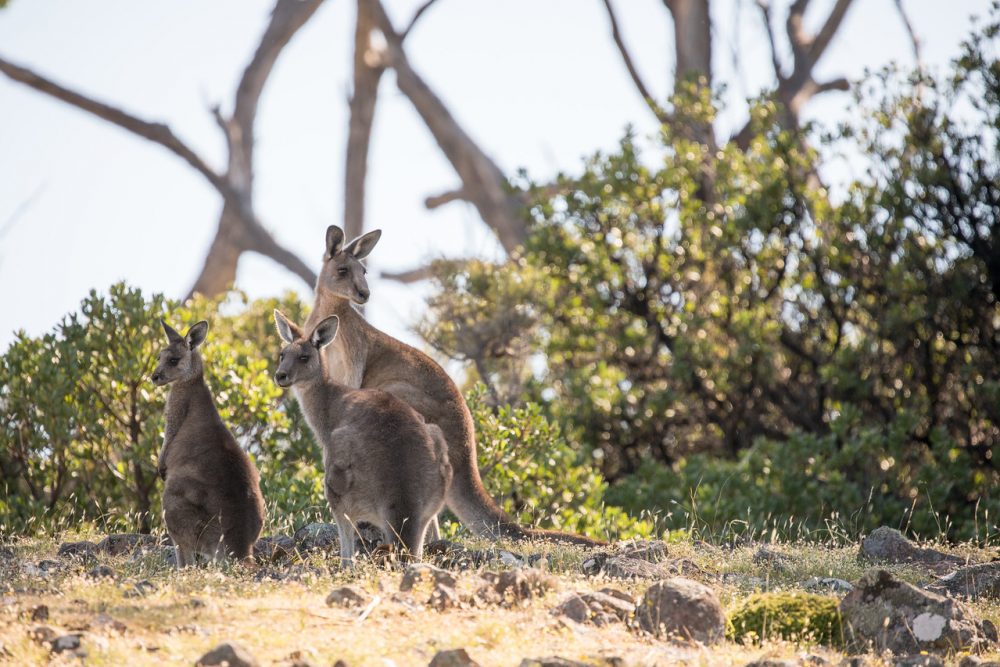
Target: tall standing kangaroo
x,y
211,494
381,462
363,356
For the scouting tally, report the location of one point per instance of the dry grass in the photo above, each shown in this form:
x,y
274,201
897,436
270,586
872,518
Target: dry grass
x,y
279,621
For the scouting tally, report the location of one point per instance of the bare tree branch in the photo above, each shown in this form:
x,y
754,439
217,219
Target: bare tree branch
x,y
158,133
633,72
435,201
411,276
914,40
416,17
825,35
482,179
765,10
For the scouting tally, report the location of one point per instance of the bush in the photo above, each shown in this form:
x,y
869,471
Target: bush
x,y
793,616
526,463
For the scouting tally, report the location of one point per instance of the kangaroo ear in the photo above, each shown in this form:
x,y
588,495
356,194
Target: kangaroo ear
x,y
172,334
196,334
288,331
364,244
334,240
325,332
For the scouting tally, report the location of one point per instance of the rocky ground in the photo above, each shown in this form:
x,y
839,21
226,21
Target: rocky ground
x,y
118,600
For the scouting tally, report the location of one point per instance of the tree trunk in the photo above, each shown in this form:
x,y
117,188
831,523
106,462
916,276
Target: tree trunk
x,y
219,270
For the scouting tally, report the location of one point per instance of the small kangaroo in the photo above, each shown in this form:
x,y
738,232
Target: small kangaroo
x,y
211,494
382,463
364,357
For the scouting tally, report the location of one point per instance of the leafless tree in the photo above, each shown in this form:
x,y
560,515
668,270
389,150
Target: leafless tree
x,y
239,229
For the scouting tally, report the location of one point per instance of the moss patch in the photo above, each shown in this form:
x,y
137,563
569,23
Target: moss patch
x,y
787,615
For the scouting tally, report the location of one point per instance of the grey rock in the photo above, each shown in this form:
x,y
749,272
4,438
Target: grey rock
x,y
522,584
918,661
42,634
70,643
346,596
424,572
973,661
683,609
972,582
444,597
39,613
773,559
622,567
81,550
772,662
827,584
458,657
888,545
229,654
317,537
101,572
597,608
553,661
139,589
273,549
885,613
118,544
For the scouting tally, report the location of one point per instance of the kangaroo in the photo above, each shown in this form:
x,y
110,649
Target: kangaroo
x,y
211,494
364,357
382,464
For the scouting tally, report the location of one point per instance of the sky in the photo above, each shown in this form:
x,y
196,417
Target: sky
x,y
538,83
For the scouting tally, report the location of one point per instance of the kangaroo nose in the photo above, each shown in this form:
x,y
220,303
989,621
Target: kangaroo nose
x,y
155,377
281,377
363,295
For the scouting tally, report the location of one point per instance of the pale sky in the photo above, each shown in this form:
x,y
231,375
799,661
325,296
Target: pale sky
x,y
538,83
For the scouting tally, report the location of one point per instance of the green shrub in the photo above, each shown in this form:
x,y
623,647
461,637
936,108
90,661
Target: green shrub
x,y
800,617
527,464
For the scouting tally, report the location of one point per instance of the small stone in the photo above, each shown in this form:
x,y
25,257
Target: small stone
x,y
102,572
682,608
317,536
596,608
124,543
522,584
888,545
771,662
42,634
828,584
229,654
918,661
346,596
424,572
273,549
771,558
973,582
553,661
81,550
444,597
974,661
109,623
458,657
139,589
40,613
67,643
623,567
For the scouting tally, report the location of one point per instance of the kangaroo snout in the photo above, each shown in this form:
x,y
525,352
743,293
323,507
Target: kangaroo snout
x,y
157,378
363,296
281,377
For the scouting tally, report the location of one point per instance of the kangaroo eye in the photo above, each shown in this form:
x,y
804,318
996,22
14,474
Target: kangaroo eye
x,y
281,355
342,271
173,361
304,358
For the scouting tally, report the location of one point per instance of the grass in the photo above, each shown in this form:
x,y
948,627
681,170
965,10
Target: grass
x,y
191,611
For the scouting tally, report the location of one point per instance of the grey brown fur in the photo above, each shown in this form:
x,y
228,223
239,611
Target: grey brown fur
x,y
382,464
364,357
212,503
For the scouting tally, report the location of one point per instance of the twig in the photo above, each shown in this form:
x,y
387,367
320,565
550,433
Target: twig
x,y
368,610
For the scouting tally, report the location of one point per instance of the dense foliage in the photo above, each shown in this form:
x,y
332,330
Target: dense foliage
x,y
794,616
733,341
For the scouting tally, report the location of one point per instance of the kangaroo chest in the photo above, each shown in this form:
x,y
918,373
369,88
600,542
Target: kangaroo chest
x,y
345,364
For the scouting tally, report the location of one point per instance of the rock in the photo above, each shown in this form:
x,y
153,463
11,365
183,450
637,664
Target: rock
x,y
771,558
165,553
973,661
972,582
104,621
888,545
444,597
522,584
828,584
70,643
454,658
888,614
771,662
39,613
856,661
683,609
316,537
273,549
424,572
367,538
554,661
918,661
42,568
346,596
653,551
82,550
622,567
597,608
101,572
229,654
621,595
125,543
42,634
139,589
